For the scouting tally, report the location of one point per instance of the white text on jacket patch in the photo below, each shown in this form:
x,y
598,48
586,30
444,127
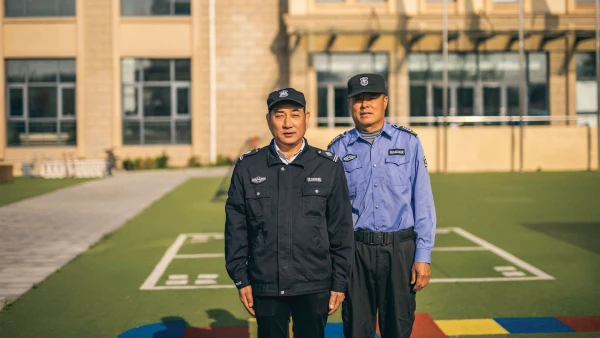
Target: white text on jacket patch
x,y
314,179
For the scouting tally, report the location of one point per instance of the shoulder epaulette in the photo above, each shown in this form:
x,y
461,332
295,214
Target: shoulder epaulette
x,y
328,155
405,129
335,139
250,153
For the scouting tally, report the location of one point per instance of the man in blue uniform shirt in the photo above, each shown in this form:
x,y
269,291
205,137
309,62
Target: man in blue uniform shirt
x,y
393,213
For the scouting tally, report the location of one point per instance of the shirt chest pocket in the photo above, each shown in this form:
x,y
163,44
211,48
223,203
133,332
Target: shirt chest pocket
x,y
397,170
355,176
258,201
314,200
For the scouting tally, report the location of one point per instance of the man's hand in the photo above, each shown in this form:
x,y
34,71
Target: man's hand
x,y
420,274
247,300
335,300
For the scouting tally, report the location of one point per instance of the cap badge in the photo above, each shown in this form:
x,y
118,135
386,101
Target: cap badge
x,y
364,81
283,93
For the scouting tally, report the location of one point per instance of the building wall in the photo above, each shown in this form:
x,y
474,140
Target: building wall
x,y
258,51
496,149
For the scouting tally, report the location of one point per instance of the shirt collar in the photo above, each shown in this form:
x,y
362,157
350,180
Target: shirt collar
x,y
284,158
386,131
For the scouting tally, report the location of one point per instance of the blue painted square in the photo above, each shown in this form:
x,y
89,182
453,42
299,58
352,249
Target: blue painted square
x,y
533,325
336,330
169,329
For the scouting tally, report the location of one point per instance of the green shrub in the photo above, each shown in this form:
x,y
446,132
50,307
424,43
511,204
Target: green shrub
x,y
162,161
193,162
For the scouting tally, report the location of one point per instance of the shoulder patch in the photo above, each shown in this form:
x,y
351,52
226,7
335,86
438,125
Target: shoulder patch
x,y
249,153
335,139
328,155
405,129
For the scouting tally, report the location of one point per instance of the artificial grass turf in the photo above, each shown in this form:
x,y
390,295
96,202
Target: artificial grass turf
x,y
26,187
97,294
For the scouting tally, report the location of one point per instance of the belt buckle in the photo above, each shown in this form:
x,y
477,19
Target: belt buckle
x,y
378,238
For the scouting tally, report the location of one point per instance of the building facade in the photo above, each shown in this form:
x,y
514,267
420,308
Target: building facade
x,y
83,76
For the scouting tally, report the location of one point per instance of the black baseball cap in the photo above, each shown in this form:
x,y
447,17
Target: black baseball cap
x,y
285,94
366,83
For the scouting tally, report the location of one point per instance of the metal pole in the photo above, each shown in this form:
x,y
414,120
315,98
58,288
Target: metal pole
x,y
523,85
445,81
598,78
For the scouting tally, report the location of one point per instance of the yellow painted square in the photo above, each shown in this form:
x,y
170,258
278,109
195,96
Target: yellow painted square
x,y
470,327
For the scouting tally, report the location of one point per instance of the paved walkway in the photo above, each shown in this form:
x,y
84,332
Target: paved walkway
x,y
42,234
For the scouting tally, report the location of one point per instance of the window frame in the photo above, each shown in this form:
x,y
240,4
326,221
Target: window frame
x,y
172,4
57,13
25,86
139,117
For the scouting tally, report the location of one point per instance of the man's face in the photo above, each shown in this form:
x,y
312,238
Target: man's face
x,y
288,123
368,110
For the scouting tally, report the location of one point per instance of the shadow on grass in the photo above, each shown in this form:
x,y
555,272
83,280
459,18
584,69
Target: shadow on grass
x,y
224,325
584,235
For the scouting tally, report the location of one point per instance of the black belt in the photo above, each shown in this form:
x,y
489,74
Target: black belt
x,y
384,238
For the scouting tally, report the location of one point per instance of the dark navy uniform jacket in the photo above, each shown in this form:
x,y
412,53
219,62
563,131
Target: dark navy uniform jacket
x,y
288,228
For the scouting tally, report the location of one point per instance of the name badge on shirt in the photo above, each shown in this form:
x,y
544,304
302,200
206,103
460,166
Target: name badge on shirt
x,y
314,180
396,152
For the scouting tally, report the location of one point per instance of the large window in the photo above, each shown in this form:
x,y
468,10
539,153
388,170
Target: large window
x,y
156,101
586,88
333,73
17,8
40,102
484,84
155,7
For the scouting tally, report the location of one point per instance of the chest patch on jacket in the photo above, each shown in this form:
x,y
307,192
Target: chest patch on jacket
x,y
314,180
349,157
258,180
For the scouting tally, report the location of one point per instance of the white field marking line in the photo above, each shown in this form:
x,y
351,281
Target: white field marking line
x,y
443,230
208,276
178,277
210,255
490,279
460,248
185,287
176,282
162,265
514,273
505,268
516,261
205,281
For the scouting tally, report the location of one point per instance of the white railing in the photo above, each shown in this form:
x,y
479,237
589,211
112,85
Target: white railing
x,y
76,168
587,119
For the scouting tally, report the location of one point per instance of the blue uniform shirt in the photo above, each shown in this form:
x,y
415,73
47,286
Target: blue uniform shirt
x,y
389,184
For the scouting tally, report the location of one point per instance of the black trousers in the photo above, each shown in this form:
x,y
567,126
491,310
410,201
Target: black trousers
x,y
380,285
309,314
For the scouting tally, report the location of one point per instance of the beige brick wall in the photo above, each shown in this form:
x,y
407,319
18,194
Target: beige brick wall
x,y
2,94
251,62
98,78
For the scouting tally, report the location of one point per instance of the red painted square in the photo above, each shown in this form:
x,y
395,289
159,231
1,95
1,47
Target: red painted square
x,y
582,324
216,332
425,327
